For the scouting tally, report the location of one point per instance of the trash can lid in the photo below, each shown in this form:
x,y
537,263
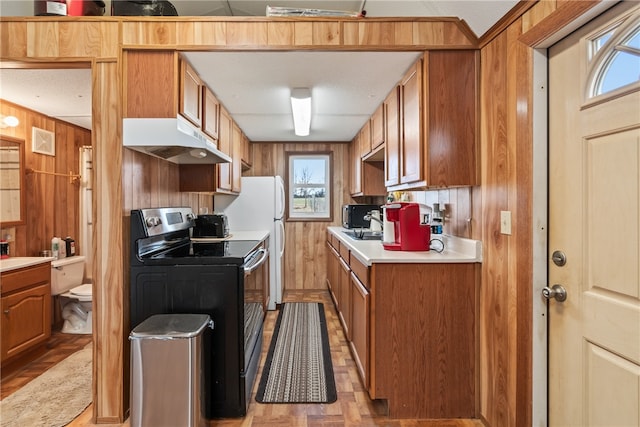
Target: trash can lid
x,y
171,326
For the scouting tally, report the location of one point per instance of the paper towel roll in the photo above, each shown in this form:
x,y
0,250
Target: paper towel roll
x,y
375,225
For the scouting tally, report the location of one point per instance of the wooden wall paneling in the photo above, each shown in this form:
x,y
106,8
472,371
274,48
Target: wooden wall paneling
x,y
505,318
327,33
14,39
543,27
303,33
521,202
201,33
377,33
110,306
82,39
495,392
281,33
247,34
537,13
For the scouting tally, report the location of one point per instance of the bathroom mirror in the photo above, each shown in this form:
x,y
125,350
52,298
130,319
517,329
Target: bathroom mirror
x,y
11,181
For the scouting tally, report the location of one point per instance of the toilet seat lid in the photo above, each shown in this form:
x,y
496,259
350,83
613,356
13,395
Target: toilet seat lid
x,y
82,290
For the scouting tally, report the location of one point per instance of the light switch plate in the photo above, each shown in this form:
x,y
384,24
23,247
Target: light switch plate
x,y
505,222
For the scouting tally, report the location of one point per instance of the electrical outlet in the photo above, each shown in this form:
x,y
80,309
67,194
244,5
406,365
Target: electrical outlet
x,y
505,222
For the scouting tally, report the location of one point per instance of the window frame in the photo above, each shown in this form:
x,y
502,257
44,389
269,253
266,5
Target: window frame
x,y
599,60
291,156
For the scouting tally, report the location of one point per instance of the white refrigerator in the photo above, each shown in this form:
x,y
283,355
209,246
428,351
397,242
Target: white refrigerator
x,y
260,206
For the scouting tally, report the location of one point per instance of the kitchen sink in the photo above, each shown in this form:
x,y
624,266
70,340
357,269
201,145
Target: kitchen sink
x,y
364,234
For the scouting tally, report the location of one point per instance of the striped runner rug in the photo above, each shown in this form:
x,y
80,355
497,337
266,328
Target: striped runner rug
x,y
298,368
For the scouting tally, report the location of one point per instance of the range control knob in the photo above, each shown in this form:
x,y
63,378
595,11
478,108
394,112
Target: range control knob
x,y
152,221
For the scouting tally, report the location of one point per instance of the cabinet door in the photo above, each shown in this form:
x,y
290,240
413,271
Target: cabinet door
x,y
224,144
190,100
360,328
151,84
236,155
377,127
247,152
411,138
26,319
365,139
333,264
344,300
392,138
210,113
356,167
452,124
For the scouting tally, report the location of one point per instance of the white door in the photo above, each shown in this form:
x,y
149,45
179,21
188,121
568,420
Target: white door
x,y
594,222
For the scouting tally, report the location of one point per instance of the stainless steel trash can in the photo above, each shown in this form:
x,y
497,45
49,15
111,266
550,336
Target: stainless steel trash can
x,y
166,371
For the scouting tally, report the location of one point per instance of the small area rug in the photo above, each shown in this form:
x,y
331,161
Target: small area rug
x,y
298,368
54,398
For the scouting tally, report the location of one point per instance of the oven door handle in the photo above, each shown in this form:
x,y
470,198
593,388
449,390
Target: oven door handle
x,y
250,268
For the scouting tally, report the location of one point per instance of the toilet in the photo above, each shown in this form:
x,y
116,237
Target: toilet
x,y
67,275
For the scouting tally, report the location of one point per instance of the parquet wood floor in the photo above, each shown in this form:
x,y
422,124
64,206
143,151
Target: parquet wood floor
x,y
353,408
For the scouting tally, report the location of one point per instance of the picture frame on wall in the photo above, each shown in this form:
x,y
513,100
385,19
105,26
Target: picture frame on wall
x,y
43,141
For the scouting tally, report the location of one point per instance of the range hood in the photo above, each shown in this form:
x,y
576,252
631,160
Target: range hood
x,y
175,140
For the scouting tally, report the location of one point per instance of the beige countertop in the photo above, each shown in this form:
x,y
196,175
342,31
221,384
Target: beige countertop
x,y
456,250
14,263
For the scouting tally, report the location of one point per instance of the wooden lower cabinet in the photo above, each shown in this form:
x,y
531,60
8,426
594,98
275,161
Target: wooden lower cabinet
x,y
412,331
423,339
333,266
26,310
344,300
360,299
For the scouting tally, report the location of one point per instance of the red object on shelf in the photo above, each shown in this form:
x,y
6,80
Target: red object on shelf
x,y
410,234
85,7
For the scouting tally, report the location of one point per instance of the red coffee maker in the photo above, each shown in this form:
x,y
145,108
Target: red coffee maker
x,y
409,233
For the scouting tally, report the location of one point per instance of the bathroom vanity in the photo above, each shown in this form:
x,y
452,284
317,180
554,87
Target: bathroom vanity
x,y
25,291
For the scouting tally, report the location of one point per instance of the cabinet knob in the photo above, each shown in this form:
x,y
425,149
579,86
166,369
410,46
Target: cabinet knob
x,y
6,311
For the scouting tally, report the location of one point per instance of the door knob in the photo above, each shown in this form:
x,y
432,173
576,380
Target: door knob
x,y
557,292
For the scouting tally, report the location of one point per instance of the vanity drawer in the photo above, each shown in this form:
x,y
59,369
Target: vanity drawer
x,y
25,277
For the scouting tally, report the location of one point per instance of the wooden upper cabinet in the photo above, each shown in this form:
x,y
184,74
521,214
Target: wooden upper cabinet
x,y
210,113
225,170
190,105
377,128
236,155
392,138
247,153
452,124
151,84
411,92
436,122
356,167
365,139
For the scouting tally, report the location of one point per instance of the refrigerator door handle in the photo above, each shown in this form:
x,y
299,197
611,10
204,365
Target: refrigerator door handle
x,y
281,224
280,202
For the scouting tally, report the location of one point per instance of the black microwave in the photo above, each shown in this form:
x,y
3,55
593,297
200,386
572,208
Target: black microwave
x,y
353,215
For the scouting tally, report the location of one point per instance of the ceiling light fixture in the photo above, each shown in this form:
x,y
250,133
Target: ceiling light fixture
x,y
301,108
9,121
